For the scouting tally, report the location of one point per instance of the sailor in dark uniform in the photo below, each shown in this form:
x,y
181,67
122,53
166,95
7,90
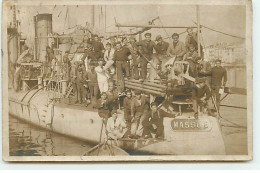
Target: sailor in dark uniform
x,y
200,95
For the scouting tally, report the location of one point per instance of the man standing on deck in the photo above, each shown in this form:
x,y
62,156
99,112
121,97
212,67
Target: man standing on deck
x,y
146,52
122,56
218,81
80,82
102,77
132,46
108,57
66,63
98,47
91,77
127,107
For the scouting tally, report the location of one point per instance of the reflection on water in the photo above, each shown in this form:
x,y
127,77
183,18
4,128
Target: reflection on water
x,y
28,140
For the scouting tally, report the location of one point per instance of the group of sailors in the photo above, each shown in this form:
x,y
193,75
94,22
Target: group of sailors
x,y
102,83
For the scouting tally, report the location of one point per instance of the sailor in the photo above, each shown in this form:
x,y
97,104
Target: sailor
x,y
109,52
146,53
108,57
205,71
103,106
122,56
55,67
89,52
153,122
116,127
98,47
112,95
192,39
200,95
161,50
192,58
134,52
81,83
49,54
139,105
17,78
176,48
218,81
127,107
66,63
102,77
91,77
157,73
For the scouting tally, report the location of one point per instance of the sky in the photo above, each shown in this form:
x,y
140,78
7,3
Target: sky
x,y
228,19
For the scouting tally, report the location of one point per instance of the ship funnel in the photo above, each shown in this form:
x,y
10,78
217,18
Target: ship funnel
x,y
43,27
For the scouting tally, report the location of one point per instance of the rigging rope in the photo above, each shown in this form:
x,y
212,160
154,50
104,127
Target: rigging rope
x,y
168,36
220,31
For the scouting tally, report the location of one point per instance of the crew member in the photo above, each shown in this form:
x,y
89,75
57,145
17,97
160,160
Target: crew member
x,y
192,39
108,57
116,127
200,95
122,57
192,58
103,106
91,77
81,83
98,47
176,48
218,81
205,71
161,50
102,77
132,46
139,105
146,53
66,63
127,107
17,78
153,122
113,96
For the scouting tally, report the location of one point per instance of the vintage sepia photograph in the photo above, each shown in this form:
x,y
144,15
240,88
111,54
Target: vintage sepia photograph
x,y
127,80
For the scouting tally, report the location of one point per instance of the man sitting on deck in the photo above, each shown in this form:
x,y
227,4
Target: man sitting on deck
x,y
153,122
138,106
104,110
200,95
116,127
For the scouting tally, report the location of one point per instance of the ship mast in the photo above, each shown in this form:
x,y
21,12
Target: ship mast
x,y
93,16
198,29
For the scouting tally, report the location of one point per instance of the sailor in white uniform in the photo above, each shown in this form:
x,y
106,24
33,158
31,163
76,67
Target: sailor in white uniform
x,y
102,77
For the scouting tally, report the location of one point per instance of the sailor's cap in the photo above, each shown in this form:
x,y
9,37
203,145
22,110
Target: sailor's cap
x,y
147,34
